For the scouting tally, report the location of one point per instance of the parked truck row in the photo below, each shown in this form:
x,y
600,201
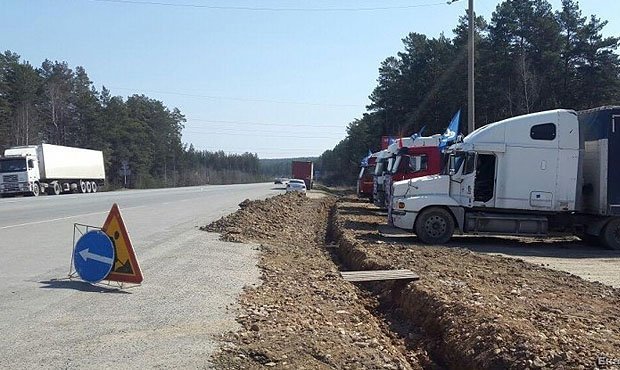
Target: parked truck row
x,y
53,169
541,174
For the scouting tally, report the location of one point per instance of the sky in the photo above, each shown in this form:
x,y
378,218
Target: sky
x,y
280,78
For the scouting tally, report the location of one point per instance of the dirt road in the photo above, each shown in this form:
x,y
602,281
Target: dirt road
x,y
564,254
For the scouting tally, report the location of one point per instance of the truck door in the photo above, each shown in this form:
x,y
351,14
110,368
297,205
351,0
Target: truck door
x,y
468,179
462,170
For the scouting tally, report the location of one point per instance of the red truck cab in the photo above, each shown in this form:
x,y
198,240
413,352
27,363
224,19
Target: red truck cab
x,y
413,158
415,162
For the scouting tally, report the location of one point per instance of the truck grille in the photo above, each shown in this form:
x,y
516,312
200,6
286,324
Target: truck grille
x,y
11,187
9,178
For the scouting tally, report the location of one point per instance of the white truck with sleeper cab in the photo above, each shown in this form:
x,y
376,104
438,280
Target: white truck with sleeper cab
x,y
532,175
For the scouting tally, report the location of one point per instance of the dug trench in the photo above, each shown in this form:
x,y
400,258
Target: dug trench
x,y
467,311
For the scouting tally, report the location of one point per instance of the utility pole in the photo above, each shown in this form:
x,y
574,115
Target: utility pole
x,y
471,104
471,126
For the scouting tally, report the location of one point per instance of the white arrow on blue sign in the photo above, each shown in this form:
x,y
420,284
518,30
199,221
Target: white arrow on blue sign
x,y
93,256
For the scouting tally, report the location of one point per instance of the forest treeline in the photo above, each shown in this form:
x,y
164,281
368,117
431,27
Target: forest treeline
x,y
529,57
55,104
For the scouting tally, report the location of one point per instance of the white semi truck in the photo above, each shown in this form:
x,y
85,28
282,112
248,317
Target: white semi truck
x,y
534,175
54,169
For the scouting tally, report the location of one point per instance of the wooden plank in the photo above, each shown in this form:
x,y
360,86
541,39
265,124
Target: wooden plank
x,y
376,275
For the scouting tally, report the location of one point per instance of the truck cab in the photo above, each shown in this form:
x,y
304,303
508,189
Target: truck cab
x,y
511,177
411,157
365,179
19,171
381,169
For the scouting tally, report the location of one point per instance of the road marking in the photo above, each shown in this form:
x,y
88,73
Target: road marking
x,y
85,254
62,218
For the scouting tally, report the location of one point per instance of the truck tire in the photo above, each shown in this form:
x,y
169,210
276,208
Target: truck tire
x,y
36,190
610,235
434,226
94,187
54,189
89,187
82,186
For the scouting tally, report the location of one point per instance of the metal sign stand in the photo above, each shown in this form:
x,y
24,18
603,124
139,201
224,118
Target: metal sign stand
x,y
78,231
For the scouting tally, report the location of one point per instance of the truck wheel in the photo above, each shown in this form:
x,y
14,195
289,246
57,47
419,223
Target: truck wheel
x,y
610,235
36,190
434,226
89,187
82,187
54,189
93,187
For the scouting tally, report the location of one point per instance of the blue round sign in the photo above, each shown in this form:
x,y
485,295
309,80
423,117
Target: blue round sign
x,y
93,256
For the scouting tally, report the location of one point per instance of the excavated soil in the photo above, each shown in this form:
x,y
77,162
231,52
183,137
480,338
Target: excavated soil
x,y
480,311
303,316
468,310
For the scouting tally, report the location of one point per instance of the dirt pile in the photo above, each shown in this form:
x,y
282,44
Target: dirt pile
x,y
481,311
303,315
468,311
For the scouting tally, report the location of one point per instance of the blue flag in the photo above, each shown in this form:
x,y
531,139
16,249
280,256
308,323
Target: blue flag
x,y
452,131
419,133
364,162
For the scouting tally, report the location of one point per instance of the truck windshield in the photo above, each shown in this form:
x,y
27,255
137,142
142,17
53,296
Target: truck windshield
x,y
13,165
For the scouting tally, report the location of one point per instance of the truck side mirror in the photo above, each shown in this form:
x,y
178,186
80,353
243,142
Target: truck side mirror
x,y
30,163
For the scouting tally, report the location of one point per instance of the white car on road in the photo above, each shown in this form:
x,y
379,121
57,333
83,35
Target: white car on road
x,y
296,185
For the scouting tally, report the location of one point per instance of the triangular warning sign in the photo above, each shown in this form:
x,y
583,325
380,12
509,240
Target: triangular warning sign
x,y
126,268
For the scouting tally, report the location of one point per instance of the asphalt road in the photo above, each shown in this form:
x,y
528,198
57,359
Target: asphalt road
x,y
187,298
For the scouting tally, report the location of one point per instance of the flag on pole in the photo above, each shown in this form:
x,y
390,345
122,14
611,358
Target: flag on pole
x,y
449,136
364,162
419,133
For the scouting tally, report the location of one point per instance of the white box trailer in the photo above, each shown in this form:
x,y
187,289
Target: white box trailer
x,y
51,168
62,162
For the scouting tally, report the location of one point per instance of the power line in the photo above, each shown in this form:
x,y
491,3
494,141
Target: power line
x,y
216,97
270,9
266,124
249,133
272,149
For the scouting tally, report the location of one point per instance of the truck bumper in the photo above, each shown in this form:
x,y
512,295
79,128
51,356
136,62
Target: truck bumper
x,y
404,219
15,187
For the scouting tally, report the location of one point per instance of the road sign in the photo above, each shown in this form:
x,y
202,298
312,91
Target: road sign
x,y
126,267
93,256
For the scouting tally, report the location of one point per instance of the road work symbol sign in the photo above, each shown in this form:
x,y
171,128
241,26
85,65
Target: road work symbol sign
x,y
126,268
93,256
